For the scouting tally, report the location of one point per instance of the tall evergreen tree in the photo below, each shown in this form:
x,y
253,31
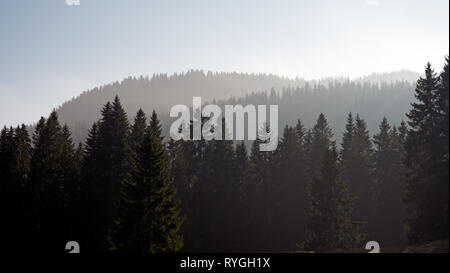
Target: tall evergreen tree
x,y
15,202
347,140
21,178
149,219
180,174
388,179
107,165
320,141
442,149
256,192
155,125
217,194
287,201
7,161
192,159
361,180
70,164
328,223
402,133
357,165
138,129
51,175
443,108
426,176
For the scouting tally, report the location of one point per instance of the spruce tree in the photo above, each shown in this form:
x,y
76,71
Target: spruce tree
x,y
217,196
70,167
7,161
256,192
402,133
347,140
442,149
288,192
192,154
360,173
52,175
14,182
320,141
155,125
149,219
107,165
330,203
227,190
138,129
388,180
356,155
22,156
21,178
180,174
426,174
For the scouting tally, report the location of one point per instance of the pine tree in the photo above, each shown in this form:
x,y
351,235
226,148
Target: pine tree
x,y
442,150
288,194
7,161
14,201
426,174
107,165
402,133
21,177
149,219
256,192
443,106
217,194
328,224
320,141
71,188
226,190
155,125
388,176
89,173
138,129
357,165
347,140
361,179
78,163
193,154
52,174
91,140
180,174
22,156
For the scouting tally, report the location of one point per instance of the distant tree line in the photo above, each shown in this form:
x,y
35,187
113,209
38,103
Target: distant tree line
x,y
334,97
126,190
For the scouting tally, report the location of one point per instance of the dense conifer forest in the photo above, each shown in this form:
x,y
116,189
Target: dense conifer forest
x,y
127,188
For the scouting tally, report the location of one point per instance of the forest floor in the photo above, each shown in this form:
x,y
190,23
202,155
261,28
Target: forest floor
x,y
432,247
441,246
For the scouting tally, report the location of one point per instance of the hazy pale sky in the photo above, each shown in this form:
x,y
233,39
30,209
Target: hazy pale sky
x,y
50,52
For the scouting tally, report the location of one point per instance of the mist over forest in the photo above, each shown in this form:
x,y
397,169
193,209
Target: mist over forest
x,y
373,97
147,127
347,169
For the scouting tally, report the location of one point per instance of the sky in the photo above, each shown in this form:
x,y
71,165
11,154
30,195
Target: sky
x,y
51,51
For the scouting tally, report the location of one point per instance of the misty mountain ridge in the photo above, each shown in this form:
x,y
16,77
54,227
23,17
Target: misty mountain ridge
x,y
390,77
372,96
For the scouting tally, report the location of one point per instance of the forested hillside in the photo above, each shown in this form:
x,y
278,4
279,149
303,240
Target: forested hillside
x,y
127,189
373,97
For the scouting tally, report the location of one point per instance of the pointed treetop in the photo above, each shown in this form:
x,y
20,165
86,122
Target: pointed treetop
x,y
155,125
